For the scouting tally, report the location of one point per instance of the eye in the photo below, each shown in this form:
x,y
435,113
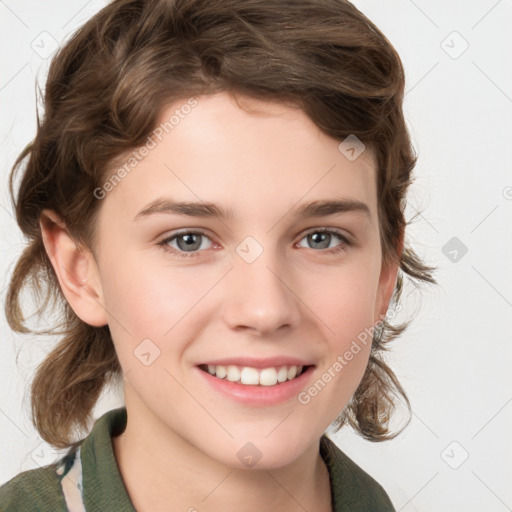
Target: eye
x,y
325,239
186,242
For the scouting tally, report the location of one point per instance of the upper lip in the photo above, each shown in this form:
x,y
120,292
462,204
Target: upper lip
x,y
254,362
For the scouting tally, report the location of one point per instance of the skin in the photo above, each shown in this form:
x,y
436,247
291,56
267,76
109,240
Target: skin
x,y
262,161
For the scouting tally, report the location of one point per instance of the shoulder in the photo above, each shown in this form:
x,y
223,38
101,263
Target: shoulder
x,y
33,490
353,488
86,476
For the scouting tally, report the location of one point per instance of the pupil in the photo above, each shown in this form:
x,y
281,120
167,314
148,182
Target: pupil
x,y
189,242
322,239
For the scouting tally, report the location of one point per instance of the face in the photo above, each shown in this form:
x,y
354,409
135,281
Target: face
x,y
239,261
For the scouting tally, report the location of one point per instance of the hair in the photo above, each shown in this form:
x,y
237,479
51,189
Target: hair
x,y
105,90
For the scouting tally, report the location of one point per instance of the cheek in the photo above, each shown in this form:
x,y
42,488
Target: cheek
x,y
344,302
344,299
154,302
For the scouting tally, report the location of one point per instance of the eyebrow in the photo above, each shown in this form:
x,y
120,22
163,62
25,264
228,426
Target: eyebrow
x,y
320,208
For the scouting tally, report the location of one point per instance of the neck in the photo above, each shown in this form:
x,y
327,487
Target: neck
x,y
162,471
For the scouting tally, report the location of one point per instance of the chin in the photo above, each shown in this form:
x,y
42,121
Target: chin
x,y
262,451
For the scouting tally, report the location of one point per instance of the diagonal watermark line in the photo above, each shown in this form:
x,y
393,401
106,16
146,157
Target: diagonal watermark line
x,y
419,214
492,81
501,409
19,19
194,305
485,15
6,210
4,288
185,185
497,497
82,285
300,300
422,78
191,396
300,199
14,423
493,287
424,13
199,403
280,423
76,14
216,487
418,417
424,424
411,499
13,76
286,491
492,211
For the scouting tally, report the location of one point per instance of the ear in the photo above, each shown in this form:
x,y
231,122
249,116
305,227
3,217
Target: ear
x,y
75,268
387,283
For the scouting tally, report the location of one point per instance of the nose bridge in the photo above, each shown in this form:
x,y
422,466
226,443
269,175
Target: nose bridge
x,y
259,296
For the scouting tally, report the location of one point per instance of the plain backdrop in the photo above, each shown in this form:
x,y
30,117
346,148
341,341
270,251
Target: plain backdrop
x,y
455,360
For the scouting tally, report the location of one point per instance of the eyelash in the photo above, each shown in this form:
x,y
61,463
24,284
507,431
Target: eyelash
x,y
345,242
180,254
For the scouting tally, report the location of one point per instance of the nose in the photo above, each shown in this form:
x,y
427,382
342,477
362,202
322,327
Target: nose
x,y
260,297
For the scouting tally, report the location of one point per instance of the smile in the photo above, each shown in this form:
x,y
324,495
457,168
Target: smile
x,y
250,376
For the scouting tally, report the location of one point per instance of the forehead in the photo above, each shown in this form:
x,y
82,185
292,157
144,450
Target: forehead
x,y
252,156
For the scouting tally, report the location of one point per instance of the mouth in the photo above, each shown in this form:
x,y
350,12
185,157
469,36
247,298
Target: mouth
x,y
256,382
270,376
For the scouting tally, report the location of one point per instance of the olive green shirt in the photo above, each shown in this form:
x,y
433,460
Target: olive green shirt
x,y
88,479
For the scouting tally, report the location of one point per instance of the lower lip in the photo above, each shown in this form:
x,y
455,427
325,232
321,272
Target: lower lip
x,y
258,395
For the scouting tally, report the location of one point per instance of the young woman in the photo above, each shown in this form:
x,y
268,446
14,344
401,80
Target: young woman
x,y
215,199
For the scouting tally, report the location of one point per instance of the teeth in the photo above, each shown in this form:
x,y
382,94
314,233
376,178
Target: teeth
x,y
292,371
268,377
282,374
220,371
233,374
249,376
253,376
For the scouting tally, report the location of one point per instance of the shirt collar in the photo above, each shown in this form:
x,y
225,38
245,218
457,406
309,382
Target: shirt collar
x,y
103,486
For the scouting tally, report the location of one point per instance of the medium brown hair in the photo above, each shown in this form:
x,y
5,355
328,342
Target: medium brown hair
x,y
105,89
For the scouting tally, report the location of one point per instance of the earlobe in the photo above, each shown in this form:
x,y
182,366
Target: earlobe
x,y
75,268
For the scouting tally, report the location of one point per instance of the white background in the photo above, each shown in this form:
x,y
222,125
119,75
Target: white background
x,y
455,359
